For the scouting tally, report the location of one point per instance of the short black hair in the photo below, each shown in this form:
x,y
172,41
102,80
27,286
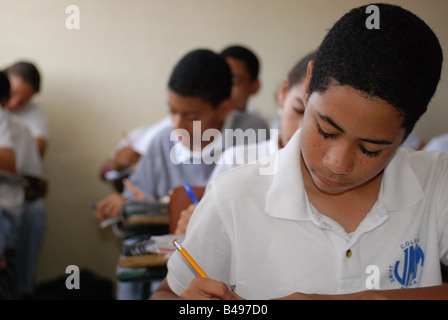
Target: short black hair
x,y
5,88
298,73
27,71
399,63
247,56
204,74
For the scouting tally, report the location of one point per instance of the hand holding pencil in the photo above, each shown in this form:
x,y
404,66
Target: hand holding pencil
x,y
203,287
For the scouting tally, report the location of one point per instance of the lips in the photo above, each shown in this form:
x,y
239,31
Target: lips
x,y
329,183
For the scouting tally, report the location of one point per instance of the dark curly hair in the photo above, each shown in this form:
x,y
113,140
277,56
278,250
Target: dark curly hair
x,y
247,56
4,88
400,62
204,74
27,71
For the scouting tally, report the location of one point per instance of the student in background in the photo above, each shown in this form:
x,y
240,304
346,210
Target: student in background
x,y
439,143
244,66
7,156
291,96
25,81
32,224
8,166
345,197
198,97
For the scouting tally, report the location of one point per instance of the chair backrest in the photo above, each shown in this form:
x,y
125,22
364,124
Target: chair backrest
x,y
180,200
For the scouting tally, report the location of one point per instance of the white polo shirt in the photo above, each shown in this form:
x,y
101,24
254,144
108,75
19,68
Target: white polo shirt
x,y
260,234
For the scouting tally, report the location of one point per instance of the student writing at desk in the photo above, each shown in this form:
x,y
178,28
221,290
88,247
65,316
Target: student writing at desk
x,y
8,166
25,82
28,164
244,66
198,95
345,197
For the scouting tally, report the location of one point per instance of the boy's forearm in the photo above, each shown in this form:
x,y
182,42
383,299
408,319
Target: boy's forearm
x,y
426,293
164,292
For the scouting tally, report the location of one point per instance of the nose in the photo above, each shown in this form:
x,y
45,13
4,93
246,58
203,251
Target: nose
x,y
339,159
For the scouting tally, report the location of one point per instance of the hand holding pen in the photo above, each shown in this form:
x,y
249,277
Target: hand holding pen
x,y
185,215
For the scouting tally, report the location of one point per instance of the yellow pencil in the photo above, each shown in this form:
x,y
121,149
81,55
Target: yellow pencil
x,y
190,260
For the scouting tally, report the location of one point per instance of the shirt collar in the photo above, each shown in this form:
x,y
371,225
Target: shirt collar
x,y
183,154
288,204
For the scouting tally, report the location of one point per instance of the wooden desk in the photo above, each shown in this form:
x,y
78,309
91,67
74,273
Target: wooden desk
x,y
144,261
146,219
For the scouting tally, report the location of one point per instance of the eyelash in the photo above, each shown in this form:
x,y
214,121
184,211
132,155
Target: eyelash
x,y
371,154
324,134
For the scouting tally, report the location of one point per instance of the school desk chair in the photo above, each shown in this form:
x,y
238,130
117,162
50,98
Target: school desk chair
x,y
180,200
147,268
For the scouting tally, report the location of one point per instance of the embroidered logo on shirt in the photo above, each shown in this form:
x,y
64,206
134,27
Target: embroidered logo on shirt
x,y
405,271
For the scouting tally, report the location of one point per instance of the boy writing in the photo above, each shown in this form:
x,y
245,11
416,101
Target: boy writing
x,y
198,91
345,197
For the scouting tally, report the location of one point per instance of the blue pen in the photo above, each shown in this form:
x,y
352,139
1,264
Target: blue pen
x,y
191,193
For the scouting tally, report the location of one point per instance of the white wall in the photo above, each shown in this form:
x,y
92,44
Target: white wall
x,y
110,76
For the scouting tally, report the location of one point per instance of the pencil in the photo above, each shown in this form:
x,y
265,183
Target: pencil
x,y
190,260
191,193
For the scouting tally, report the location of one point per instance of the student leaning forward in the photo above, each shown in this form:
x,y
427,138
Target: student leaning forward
x,y
346,198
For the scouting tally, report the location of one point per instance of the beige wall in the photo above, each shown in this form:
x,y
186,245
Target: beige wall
x,y
111,75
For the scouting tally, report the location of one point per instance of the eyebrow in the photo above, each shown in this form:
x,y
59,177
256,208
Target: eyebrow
x,y
332,123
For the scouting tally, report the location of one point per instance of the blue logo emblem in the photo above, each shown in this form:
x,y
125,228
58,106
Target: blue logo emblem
x,y
405,271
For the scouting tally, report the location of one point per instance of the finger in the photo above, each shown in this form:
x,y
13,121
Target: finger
x,y
208,289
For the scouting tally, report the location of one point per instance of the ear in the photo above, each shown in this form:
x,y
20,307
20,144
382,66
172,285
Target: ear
x,y
255,86
281,96
309,73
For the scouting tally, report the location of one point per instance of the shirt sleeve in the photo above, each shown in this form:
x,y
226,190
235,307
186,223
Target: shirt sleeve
x,y
37,122
207,241
5,132
441,201
142,144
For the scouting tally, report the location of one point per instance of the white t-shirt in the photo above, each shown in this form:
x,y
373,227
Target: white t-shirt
x,y
141,137
5,134
28,160
35,118
261,235
243,154
141,144
439,143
